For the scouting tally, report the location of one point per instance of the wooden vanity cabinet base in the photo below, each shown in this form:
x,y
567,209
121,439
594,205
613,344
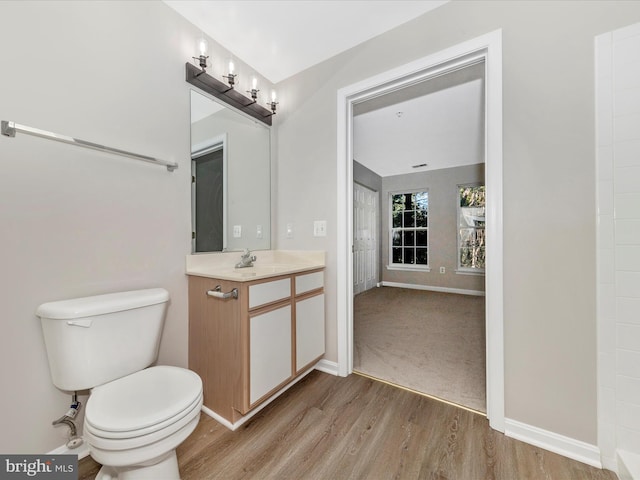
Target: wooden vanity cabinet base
x,y
287,314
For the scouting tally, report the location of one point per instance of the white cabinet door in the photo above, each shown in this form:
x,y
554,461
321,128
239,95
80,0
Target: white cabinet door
x,y
269,351
309,330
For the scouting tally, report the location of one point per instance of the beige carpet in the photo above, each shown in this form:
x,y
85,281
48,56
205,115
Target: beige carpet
x,y
427,341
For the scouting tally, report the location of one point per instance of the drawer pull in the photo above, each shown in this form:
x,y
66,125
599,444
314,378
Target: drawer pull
x,y
218,293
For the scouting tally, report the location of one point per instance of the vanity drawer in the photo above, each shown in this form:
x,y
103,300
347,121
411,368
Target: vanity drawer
x,y
309,281
269,292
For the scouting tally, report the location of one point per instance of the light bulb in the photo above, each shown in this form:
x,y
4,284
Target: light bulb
x,y
254,83
230,67
203,47
273,95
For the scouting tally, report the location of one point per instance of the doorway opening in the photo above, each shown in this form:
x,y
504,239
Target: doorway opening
x,y
422,148
488,49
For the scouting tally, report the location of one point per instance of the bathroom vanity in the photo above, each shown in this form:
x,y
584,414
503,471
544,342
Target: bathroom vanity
x,y
253,332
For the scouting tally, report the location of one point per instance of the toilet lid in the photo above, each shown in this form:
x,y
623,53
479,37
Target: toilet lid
x,y
142,399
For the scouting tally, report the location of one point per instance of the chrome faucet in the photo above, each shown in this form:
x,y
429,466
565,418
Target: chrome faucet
x,y
246,260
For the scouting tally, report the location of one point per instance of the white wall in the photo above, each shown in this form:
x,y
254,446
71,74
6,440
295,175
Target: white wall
x,y
618,167
77,222
549,178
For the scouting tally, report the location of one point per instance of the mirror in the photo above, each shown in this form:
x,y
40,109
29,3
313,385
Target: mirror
x,y
231,187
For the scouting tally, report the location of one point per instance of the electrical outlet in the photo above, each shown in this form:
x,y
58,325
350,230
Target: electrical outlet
x,y
259,231
289,233
442,269
320,228
237,231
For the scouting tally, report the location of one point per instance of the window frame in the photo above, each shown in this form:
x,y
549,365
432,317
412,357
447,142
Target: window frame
x,y
460,269
407,266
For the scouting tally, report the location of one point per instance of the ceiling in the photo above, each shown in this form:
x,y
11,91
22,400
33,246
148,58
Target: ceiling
x,y
441,120
260,33
438,123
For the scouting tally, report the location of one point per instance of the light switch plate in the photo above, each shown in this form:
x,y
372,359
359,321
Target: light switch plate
x,y
320,228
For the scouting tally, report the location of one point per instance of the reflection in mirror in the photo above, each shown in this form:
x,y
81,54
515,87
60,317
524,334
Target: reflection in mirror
x,y
230,159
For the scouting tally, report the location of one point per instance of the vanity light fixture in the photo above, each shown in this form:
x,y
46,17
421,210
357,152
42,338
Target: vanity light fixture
x,y
231,78
203,47
254,90
198,77
273,102
205,82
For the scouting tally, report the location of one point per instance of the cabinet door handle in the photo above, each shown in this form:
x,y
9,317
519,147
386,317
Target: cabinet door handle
x,y
218,293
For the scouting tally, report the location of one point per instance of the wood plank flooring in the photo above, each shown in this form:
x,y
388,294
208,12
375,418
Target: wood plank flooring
x,y
329,428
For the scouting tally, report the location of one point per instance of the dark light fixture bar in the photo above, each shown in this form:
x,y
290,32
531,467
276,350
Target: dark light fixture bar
x,y
201,79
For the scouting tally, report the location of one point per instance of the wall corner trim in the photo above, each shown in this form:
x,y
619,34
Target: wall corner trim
x,y
554,442
327,366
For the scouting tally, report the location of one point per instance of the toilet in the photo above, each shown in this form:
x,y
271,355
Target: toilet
x,y
136,415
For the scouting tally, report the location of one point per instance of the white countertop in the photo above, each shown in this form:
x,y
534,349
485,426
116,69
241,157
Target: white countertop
x,y
269,263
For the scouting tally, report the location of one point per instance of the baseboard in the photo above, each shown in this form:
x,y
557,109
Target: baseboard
x,y
461,291
82,451
327,366
628,465
248,416
554,442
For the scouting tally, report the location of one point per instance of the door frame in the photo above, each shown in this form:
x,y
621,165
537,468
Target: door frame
x,y
219,142
487,48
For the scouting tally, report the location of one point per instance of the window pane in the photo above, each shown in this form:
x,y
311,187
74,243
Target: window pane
x,y
409,203
408,256
396,238
421,218
421,238
472,196
397,202
421,256
409,238
466,236
422,201
409,219
396,219
479,257
397,255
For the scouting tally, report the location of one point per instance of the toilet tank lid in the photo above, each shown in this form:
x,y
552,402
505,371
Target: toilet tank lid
x,y
102,304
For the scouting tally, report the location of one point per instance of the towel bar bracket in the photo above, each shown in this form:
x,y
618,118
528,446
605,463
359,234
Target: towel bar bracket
x,y
8,129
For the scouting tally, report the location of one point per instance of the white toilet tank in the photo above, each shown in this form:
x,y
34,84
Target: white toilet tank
x,y
94,340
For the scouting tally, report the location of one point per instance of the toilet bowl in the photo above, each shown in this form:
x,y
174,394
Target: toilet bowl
x,y
136,415
134,422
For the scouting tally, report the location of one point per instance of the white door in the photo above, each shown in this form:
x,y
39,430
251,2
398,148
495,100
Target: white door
x,y
365,238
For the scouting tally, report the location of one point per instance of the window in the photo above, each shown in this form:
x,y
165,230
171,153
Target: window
x,y
409,229
471,228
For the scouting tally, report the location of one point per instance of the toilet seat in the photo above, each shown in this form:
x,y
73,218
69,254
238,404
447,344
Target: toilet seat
x,y
143,403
